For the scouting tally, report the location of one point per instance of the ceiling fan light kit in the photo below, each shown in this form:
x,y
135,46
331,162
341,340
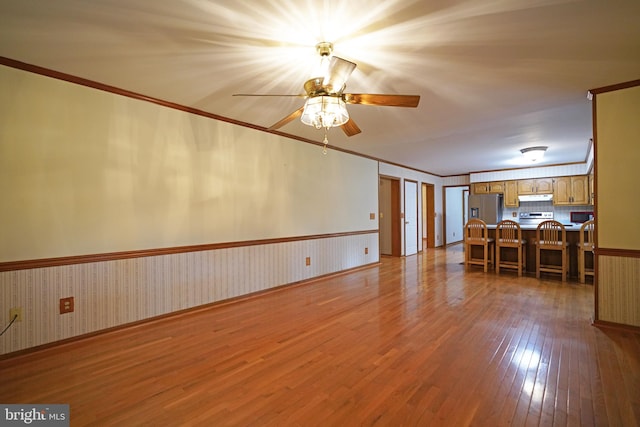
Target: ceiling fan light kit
x,y
324,112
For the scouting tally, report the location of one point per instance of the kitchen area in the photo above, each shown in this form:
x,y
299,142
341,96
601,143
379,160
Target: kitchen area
x,y
567,199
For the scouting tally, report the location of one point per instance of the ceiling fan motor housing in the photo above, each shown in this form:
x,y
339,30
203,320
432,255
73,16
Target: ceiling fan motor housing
x,y
315,87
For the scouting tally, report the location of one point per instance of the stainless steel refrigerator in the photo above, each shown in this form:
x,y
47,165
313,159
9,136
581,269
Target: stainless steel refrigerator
x,y
487,207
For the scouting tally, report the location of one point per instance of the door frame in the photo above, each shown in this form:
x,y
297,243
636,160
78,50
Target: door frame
x,y
396,217
429,213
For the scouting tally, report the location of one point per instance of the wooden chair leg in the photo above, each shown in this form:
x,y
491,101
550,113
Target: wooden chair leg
x,y
581,265
498,259
565,269
538,262
486,257
492,249
466,255
519,261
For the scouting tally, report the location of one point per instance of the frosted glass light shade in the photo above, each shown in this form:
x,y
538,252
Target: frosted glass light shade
x,y
533,154
325,112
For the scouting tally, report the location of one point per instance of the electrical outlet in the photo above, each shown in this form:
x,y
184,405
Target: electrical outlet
x,y
366,251
308,261
66,305
16,311
514,214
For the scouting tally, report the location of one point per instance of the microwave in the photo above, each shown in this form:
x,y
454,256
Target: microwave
x,y
580,217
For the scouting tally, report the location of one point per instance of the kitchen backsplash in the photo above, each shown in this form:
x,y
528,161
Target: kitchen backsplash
x,y
560,213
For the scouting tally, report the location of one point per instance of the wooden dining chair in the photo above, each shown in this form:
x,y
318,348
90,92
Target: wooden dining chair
x,y
585,245
477,234
552,236
509,236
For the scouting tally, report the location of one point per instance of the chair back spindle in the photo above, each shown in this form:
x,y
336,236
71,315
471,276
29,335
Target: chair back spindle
x,y
551,235
509,235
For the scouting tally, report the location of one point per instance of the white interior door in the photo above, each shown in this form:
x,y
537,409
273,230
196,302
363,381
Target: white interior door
x,y
410,217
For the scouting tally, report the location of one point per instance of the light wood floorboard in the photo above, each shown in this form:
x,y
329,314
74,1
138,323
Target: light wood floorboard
x,y
416,341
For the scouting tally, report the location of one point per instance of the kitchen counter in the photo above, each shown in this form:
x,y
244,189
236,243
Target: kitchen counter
x,y
567,226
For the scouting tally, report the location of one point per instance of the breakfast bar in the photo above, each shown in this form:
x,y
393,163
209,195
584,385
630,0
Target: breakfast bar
x,y
529,234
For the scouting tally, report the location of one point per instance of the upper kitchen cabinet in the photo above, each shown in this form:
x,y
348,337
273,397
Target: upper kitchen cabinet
x,y
535,186
488,187
511,194
571,190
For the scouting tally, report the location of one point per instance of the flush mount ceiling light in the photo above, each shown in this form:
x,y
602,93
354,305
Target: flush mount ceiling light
x,y
533,154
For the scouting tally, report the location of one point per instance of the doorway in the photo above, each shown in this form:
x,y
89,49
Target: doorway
x,y
455,206
428,215
389,206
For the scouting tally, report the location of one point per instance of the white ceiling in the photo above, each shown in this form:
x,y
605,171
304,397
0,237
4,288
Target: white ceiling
x,y
494,76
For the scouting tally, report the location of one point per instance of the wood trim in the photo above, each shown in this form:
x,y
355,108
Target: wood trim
x,y
612,88
395,208
431,215
118,91
112,256
617,326
596,290
123,92
621,253
586,157
524,168
396,218
180,313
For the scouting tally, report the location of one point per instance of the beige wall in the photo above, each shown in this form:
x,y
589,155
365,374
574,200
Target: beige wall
x,y
617,205
618,160
84,171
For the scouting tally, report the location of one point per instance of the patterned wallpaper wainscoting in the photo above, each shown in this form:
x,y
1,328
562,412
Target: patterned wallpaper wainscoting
x,y
115,293
619,290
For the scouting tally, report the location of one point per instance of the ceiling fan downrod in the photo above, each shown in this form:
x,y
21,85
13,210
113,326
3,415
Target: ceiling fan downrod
x,y
324,48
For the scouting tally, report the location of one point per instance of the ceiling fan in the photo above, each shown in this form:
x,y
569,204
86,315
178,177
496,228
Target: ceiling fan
x,y
325,105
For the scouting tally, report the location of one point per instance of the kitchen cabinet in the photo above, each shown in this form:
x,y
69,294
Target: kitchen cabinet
x,y
511,194
496,187
535,186
571,190
592,193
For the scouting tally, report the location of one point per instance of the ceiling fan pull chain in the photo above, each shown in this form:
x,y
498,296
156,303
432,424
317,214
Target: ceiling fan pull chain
x,y
325,141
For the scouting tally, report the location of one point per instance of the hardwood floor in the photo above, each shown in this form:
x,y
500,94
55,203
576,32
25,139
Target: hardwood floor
x,y
413,342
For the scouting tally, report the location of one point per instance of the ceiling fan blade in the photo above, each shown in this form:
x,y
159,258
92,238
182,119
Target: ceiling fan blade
x,y
302,95
291,117
338,73
382,100
350,128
